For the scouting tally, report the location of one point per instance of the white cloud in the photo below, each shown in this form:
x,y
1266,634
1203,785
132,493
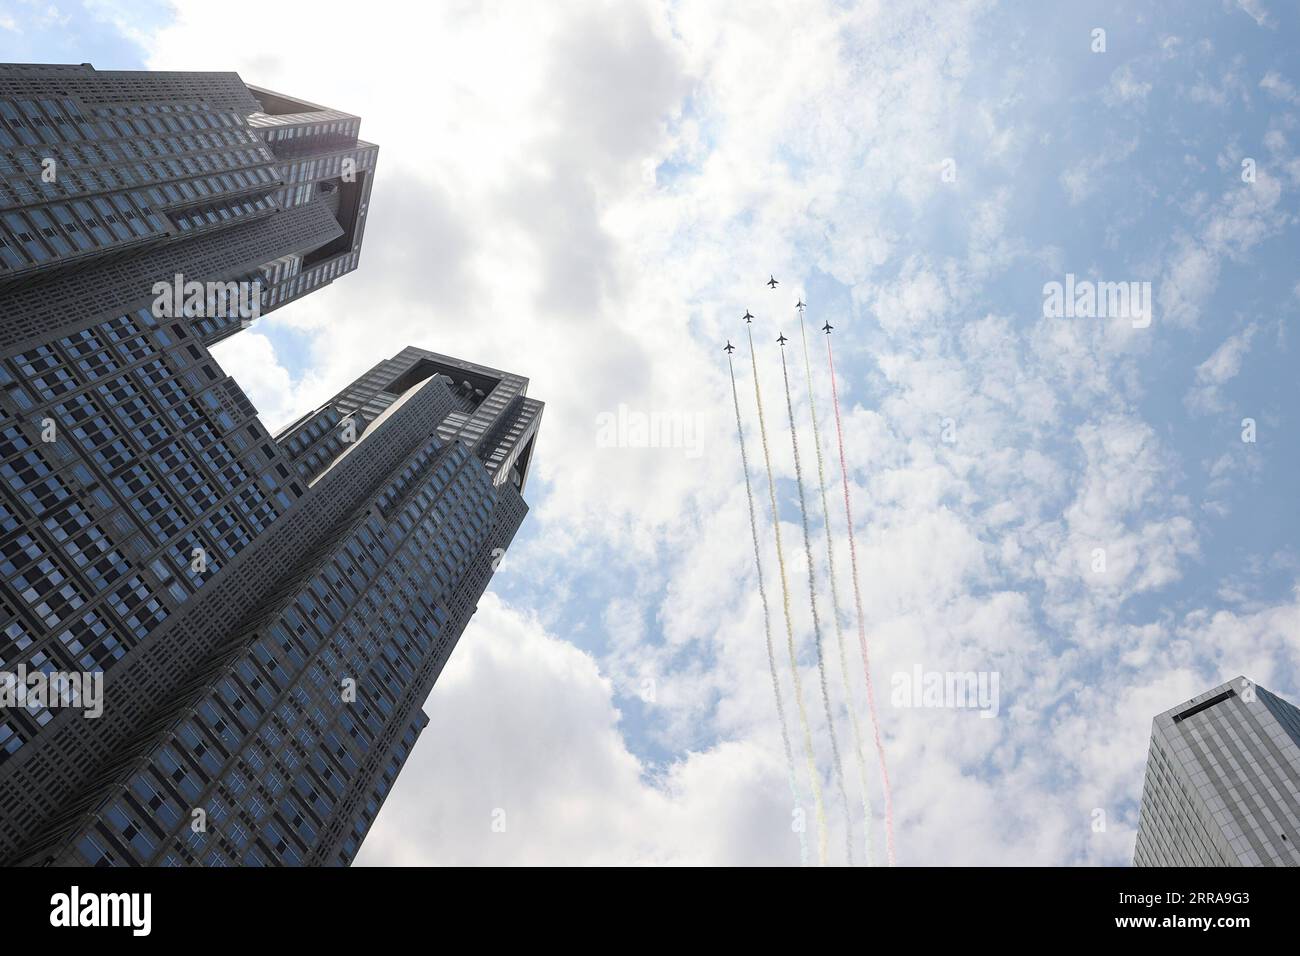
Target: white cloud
x,y
268,384
1245,216
1124,87
1275,83
1221,367
1256,10
523,733
1080,180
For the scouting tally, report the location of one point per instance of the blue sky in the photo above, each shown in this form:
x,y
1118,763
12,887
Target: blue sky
x,y
592,197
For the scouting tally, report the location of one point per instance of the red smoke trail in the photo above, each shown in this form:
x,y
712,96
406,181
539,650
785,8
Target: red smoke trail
x,y
862,631
852,707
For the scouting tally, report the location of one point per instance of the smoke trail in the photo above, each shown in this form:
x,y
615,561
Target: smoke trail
x,y
835,603
862,631
789,623
817,627
767,619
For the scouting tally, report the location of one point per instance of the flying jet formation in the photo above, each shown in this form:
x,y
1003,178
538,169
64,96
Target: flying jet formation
x,y
804,727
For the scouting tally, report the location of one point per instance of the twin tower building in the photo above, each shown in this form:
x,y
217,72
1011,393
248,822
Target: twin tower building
x,y
214,641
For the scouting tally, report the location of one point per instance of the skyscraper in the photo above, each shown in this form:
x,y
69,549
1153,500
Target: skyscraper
x,y
267,613
113,181
1223,782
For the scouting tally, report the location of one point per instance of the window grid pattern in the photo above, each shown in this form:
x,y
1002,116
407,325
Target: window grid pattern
x,y
1222,783
272,751
155,460
188,179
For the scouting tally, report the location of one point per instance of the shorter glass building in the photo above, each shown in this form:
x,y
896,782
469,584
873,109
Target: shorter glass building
x,y
1223,782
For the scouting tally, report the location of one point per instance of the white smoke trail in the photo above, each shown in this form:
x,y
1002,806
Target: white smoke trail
x,y
767,618
862,630
817,628
818,805
835,604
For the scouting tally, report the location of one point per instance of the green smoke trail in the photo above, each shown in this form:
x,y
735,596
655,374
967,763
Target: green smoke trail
x,y
817,628
767,617
789,623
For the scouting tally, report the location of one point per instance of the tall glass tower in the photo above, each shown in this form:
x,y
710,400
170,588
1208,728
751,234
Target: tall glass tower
x,y
113,181
266,613
1223,782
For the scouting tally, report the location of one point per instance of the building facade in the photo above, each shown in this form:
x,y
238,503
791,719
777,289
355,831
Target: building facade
x,y
266,613
112,181
1223,782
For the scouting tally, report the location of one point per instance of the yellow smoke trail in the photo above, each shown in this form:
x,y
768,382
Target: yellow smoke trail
x,y
767,618
862,630
789,623
816,622
835,600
